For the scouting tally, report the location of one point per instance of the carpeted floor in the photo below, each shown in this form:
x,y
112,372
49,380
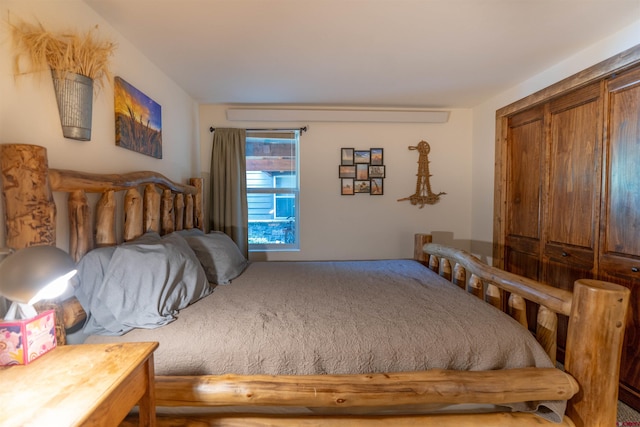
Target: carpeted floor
x,y
627,416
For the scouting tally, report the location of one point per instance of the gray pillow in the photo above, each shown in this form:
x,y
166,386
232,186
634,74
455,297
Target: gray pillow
x,y
218,254
140,284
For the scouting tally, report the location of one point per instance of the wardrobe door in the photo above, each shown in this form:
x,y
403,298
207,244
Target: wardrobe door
x,y
525,169
573,193
525,158
620,239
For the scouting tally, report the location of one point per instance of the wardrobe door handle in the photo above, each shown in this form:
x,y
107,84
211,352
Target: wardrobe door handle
x,y
564,254
635,269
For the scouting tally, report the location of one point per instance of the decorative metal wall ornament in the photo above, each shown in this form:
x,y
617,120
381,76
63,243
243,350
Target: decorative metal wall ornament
x,y
423,194
74,95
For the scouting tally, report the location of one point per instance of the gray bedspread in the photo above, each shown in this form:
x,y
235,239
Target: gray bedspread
x,y
294,318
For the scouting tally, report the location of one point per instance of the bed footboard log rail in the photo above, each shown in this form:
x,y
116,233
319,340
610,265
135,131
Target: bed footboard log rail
x,y
367,390
502,419
492,284
557,300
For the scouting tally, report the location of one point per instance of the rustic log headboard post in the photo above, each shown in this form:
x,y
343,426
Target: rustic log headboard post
x,y
29,208
27,199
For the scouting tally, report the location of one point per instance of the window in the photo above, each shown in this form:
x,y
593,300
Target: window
x,y
273,190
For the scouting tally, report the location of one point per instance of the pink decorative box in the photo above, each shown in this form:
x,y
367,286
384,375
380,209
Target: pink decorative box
x,y
23,341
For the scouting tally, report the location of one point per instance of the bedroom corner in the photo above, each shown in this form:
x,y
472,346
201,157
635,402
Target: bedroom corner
x,y
29,113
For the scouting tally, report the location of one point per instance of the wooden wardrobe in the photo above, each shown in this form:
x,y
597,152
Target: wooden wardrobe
x,y
567,190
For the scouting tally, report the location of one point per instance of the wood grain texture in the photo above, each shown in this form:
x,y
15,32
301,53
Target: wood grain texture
x,y
370,390
79,385
106,220
597,322
133,215
167,216
30,211
151,208
590,183
547,331
179,210
80,226
67,181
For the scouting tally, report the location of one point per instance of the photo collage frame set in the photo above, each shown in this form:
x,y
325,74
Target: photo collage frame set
x,y
361,171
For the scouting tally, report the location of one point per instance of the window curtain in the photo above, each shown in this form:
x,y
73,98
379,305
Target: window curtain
x,y
228,197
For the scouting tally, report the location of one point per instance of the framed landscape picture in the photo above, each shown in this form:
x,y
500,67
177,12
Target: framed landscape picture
x,y
346,156
347,187
376,156
347,171
138,120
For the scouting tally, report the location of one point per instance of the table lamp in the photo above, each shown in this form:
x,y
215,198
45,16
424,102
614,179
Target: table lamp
x,y
33,274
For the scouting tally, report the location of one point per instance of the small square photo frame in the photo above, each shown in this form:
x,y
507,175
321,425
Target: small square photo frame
x,y
376,171
377,187
361,186
362,171
346,187
347,171
361,156
346,156
377,156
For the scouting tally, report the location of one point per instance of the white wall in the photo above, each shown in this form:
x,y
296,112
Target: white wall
x,y
483,135
363,226
29,114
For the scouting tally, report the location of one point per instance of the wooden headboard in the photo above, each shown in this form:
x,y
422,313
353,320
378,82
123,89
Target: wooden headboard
x,y
151,202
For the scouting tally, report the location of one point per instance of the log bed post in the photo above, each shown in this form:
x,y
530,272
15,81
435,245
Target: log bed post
x,y
597,321
29,208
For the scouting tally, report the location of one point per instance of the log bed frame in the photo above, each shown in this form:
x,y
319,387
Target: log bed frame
x,y
596,311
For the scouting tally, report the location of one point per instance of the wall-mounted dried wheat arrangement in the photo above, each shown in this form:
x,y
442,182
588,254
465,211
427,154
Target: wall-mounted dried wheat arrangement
x,y
63,52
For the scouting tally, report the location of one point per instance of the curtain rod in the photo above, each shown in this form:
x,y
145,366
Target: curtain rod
x,y
302,129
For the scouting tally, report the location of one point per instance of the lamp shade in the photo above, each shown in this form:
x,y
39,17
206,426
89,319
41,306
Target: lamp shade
x,y
35,273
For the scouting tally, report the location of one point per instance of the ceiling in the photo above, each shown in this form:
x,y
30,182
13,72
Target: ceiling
x,y
377,53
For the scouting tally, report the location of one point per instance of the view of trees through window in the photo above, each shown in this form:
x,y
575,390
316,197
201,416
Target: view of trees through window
x,y
272,189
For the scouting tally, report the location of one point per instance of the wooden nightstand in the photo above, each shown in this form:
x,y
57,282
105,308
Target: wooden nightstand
x,y
88,384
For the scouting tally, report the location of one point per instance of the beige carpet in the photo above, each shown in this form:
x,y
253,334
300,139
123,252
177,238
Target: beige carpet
x,y
627,416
